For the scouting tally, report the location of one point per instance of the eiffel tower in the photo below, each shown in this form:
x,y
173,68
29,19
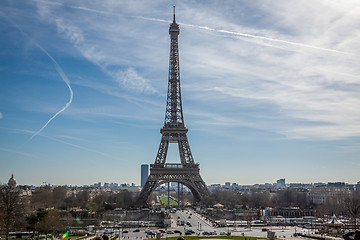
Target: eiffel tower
x,y
174,131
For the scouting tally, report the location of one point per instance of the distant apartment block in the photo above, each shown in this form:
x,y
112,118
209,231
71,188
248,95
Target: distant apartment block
x,y
319,193
144,174
280,183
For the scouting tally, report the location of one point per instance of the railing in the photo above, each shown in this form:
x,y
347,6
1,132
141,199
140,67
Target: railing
x,y
174,165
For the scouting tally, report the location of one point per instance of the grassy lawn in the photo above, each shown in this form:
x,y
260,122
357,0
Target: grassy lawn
x,y
216,237
73,237
68,237
164,201
49,238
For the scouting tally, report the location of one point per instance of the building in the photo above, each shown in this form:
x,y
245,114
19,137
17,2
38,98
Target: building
x,y
334,191
96,185
280,183
12,181
357,186
144,174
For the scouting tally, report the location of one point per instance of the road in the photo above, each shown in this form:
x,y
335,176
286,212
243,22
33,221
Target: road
x,y
200,225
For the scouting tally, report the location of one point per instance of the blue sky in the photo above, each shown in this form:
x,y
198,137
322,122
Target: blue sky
x,y
270,89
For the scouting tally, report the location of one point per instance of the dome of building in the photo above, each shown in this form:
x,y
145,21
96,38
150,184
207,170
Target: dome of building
x,y
12,181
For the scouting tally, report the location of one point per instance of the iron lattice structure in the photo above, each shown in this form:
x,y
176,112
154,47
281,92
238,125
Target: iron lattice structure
x,y
174,131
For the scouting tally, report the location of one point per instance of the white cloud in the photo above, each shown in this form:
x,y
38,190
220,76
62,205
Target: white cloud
x,y
99,45
314,89
73,33
131,79
1,115
296,64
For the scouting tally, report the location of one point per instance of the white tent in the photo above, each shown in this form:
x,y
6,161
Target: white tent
x,y
333,221
218,205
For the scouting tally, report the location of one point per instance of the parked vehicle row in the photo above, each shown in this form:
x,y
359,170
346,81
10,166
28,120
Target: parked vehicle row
x,y
209,233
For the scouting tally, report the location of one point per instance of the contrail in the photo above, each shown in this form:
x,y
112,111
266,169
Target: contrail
x,y
77,146
58,69
238,35
266,38
66,80
51,138
231,33
18,152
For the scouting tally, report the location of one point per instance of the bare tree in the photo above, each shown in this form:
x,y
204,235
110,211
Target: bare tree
x,y
82,198
58,196
353,206
291,198
42,197
10,208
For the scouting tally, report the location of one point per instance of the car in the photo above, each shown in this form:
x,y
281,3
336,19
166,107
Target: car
x,y
205,233
109,231
125,231
136,230
213,233
149,232
265,229
169,232
224,233
162,231
181,222
177,231
188,233
189,216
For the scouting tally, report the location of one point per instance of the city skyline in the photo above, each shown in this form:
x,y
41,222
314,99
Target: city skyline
x,y
279,184
269,91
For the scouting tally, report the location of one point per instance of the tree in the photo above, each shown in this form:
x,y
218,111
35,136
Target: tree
x,y
45,221
92,207
10,208
256,199
50,223
353,206
34,218
291,198
58,196
42,197
82,198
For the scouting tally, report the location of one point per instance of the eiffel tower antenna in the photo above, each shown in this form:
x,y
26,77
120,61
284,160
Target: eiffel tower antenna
x,y
174,131
174,16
